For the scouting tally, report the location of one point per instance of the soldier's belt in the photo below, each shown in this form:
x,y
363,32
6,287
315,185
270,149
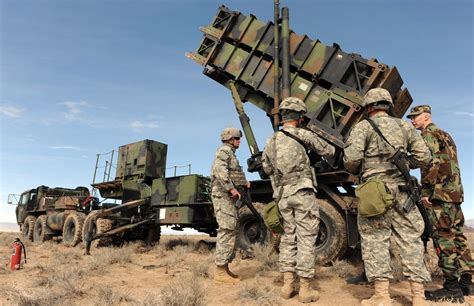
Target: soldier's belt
x,y
294,177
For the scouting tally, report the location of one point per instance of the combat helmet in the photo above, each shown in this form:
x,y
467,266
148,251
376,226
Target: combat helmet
x,y
229,133
292,109
376,96
293,104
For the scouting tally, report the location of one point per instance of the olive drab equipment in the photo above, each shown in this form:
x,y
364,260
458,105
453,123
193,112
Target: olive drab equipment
x,y
247,55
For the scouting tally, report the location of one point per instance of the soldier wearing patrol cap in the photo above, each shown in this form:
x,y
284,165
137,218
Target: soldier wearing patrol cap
x,y
367,154
286,161
226,174
442,195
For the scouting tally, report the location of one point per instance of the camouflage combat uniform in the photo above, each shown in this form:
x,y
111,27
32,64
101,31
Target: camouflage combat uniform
x,y
441,183
224,169
367,152
293,182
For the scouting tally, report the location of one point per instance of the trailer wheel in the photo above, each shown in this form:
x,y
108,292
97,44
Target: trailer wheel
x,y
28,227
97,226
72,229
332,238
250,229
40,232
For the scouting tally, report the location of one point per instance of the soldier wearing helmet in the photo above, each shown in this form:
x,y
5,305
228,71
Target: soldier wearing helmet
x,y
226,174
286,161
367,154
442,194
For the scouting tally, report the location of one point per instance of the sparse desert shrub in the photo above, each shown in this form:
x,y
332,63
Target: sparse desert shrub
x,y
104,257
259,292
184,290
172,244
67,280
204,247
342,268
201,268
151,299
21,296
110,296
267,258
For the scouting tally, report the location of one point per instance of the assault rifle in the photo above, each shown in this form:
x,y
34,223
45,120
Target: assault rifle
x,y
246,200
399,159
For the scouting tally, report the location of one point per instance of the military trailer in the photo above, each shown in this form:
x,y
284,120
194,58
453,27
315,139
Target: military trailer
x,y
149,199
239,52
44,213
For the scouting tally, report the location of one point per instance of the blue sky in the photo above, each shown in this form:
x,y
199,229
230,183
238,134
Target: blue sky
x,y
79,78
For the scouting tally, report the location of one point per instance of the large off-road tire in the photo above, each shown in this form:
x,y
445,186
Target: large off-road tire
x,y
27,227
250,229
153,236
72,229
40,232
332,238
97,226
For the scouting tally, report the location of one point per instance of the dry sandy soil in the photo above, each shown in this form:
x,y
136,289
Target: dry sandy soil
x,y
178,271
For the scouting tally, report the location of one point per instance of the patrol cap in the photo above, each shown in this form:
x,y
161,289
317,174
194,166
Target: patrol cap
x,y
377,95
419,109
229,133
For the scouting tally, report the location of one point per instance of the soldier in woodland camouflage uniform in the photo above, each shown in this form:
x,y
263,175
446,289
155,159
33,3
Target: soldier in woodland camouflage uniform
x,y
442,195
367,153
226,174
293,180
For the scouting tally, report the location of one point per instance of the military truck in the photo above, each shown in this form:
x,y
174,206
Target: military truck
x,y
44,213
247,56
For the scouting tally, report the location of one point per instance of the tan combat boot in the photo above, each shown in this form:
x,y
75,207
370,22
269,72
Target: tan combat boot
x,y
233,275
381,296
221,276
418,292
288,288
307,294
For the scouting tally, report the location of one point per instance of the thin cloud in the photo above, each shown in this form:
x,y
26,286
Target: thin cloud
x,y
75,110
12,111
65,148
138,125
464,114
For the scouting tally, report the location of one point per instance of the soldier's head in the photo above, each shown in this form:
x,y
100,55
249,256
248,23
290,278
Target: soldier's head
x,y
376,100
231,136
420,116
292,110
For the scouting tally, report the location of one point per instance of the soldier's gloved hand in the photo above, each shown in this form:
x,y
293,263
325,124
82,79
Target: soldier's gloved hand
x,y
426,202
234,193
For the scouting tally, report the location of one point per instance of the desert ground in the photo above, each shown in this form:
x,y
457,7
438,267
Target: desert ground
x,y
177,271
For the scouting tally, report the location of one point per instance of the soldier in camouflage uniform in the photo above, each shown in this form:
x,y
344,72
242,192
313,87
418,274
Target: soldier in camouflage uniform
x,y
442,195
367,153
226,174
293,180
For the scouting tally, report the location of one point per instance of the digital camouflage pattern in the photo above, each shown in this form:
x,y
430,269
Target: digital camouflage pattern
x,y
405,228
377,95
441,183
441,179
300,214
287,162
448,238
294,187
367,153
419,109
224,168
229,133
